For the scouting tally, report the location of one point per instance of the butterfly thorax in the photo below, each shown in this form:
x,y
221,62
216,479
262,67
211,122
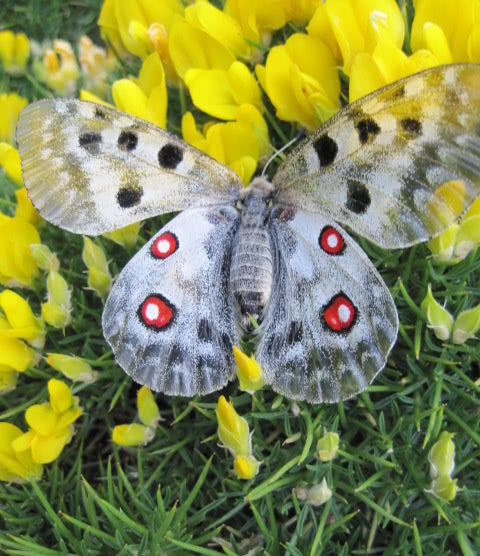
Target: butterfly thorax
x,y
251,271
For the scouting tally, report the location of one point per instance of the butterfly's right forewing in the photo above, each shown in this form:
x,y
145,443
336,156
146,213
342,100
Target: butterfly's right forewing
x,y
170,316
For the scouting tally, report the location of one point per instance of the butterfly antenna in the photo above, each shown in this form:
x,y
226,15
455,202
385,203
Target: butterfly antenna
x,y
280,151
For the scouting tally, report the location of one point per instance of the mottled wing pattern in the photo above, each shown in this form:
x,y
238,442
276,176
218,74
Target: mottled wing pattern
x,y
90,168
331,321
169,316
380,164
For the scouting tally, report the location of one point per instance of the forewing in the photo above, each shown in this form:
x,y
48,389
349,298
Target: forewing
x,y
331,321
378,166
169,316
90,168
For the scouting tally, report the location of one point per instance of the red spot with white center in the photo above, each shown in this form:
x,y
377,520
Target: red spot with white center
x,y
339,313
165,245
331,241
156,312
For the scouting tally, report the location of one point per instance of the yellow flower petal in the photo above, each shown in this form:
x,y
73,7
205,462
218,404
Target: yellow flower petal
x,y
133,434
232,429
10,162
15,354
245,467
20,317
69,417
128,97
46,449
249,372
438,318
8,379
74,368
60,395
147,408
41,418
15,467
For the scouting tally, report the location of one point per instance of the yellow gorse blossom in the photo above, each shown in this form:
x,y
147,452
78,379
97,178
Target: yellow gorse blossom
x,y
58,68
74,368
11,104
438,318
51,424
139,434
99,278
301,79
249,372
56,311
10,162
15,467
14,51
450,29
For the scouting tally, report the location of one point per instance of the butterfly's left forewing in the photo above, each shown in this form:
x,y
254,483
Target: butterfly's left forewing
x,y
331,321
169,316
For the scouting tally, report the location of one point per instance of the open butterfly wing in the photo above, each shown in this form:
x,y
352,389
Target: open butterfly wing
x,y
399,165
169,316
90,168
331,321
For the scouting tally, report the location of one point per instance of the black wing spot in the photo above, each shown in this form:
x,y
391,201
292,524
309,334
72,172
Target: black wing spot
x,y
127,140
170,156
367,129
129,196
412,126
326,149
295,332
175,356
90,141
204,331
100,114
358,197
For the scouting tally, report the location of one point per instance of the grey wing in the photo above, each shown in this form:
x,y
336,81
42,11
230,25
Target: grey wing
x,y
169,317
331,321
380,165
90,168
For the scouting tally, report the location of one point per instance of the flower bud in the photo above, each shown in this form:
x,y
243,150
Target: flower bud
x,y
438,318
133,434
466,325
442,456
147,408
245,467
74,368
327,446
249,371
232,429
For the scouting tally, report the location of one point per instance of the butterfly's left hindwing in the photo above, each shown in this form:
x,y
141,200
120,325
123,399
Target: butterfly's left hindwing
x,y
331,321
169,316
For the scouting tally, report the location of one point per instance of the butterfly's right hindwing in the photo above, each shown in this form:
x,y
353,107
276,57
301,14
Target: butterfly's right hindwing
x,y
169,316
90,168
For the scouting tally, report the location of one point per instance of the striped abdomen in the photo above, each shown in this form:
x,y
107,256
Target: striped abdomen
x,y
251,271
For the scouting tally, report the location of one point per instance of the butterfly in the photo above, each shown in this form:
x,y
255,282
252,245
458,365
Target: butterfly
x,y
389,167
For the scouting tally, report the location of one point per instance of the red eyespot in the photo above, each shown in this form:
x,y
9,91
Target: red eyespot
x,y
331,241
156,312
339,313
164,245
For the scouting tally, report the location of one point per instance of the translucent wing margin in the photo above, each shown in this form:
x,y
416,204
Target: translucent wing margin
x,y
397,166
331,321
90,168
169,316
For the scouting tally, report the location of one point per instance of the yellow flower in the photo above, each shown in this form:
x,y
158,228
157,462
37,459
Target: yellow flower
x,y
300,11
18,268
387,63
301,80
442,455
249,371
20,322
58,307
10,162
232,429
99,278
245,467
51,424
126,236
58,68
8,378
457,241
450,30
140,27
147,408
25,209
95,64
219,25
15,357
193,48
438,318
139,434
74,368
15,467
239,144
466,325
350,27
219,93
327,446
14,51
133,434
258,18
146,97
11,105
